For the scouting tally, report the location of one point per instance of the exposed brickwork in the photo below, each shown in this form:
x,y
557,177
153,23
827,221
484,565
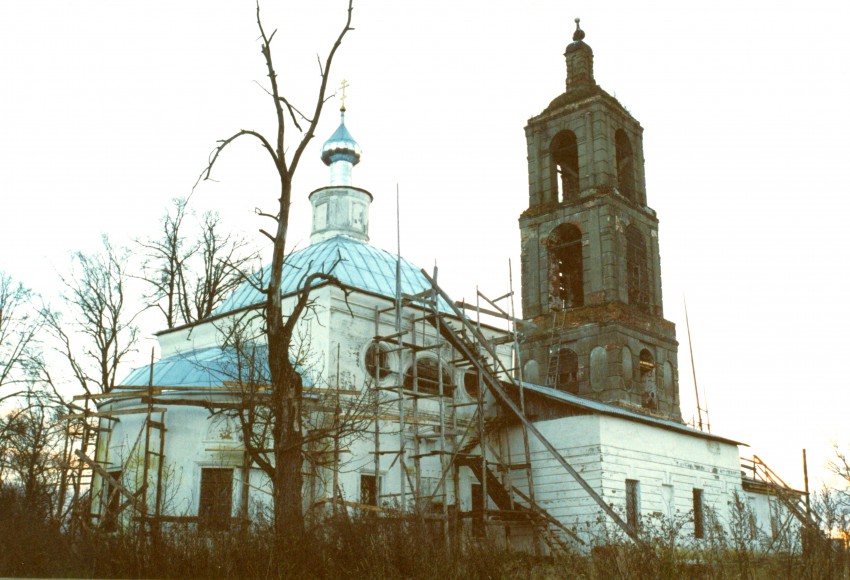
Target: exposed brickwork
x,y
627,352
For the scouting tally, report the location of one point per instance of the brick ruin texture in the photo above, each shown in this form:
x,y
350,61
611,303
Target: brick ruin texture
x,y
591,269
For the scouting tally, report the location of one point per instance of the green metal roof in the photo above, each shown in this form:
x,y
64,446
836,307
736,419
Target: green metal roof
x,y
205,368
361,267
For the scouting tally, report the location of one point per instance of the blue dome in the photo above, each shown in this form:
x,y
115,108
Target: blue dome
x,y
206,368
363,267
341,146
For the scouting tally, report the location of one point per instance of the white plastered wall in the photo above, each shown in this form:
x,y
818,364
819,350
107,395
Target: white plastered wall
x,y
607,451
334,333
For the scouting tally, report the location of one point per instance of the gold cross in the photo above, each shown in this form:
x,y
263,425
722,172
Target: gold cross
x,y
343,86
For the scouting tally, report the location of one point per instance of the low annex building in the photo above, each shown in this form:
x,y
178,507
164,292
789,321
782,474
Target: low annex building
x,y
527,429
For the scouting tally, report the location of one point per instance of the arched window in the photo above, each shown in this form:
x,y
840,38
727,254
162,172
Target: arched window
x,y
566,269
564,151
470,384
563,370
637,271
427,375
625,165
377,360
647,379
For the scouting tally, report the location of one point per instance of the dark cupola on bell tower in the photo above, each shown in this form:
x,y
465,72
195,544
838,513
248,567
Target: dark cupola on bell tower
x,y
591,271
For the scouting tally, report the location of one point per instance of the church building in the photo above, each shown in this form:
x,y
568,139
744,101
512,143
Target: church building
x,y
535,431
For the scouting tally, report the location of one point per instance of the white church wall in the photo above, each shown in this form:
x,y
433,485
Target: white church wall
x,y
607,451
657,457
334,333
762,510
577,439
193,440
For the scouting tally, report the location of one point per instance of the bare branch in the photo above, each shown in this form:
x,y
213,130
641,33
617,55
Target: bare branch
x,y
273,430
292,110
205,174
320,100
95,291
260,213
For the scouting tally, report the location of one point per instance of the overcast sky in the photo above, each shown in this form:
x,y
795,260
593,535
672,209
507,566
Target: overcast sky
x,y
109,109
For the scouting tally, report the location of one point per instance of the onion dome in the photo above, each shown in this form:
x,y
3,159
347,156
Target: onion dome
x,y
340,209
341,146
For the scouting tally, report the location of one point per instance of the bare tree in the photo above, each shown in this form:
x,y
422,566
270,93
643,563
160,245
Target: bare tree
x,y
20,324
191,267
96,296
225,257
31,459
285,382
163,263
840,466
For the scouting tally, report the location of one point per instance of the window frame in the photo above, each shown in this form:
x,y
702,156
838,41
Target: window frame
x,y
215,499
638,287
373,488
699,513
633,503
565,252
111,501
566,355
384,367
563,150
414,382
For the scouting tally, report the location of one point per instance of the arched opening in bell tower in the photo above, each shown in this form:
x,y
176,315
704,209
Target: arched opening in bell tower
x,y
637,271
566,370
647,380
625,166
564,150
566,267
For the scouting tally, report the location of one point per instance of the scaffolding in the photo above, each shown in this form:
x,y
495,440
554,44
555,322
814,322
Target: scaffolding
x,y
794,501
100,493
476,441
471,435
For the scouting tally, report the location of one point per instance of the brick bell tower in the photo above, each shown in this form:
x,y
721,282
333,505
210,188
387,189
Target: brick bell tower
x,y
591,271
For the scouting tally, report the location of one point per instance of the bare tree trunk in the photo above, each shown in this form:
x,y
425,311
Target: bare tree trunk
x,y
286,386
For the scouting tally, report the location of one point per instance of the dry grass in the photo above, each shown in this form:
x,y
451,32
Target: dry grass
x,y
346,547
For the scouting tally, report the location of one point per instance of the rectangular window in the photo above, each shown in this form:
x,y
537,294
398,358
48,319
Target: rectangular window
x,y
477,496
632,502
699,514
111,502
667,498
369,489
216,503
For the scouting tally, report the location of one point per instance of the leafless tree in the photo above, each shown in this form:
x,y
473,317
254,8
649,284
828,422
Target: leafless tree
x,y
839,465
225,257
31,458
333,415
20,324
163,262
285,382
191,272
102,318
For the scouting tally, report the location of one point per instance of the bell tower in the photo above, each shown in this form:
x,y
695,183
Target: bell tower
x,y
591,271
